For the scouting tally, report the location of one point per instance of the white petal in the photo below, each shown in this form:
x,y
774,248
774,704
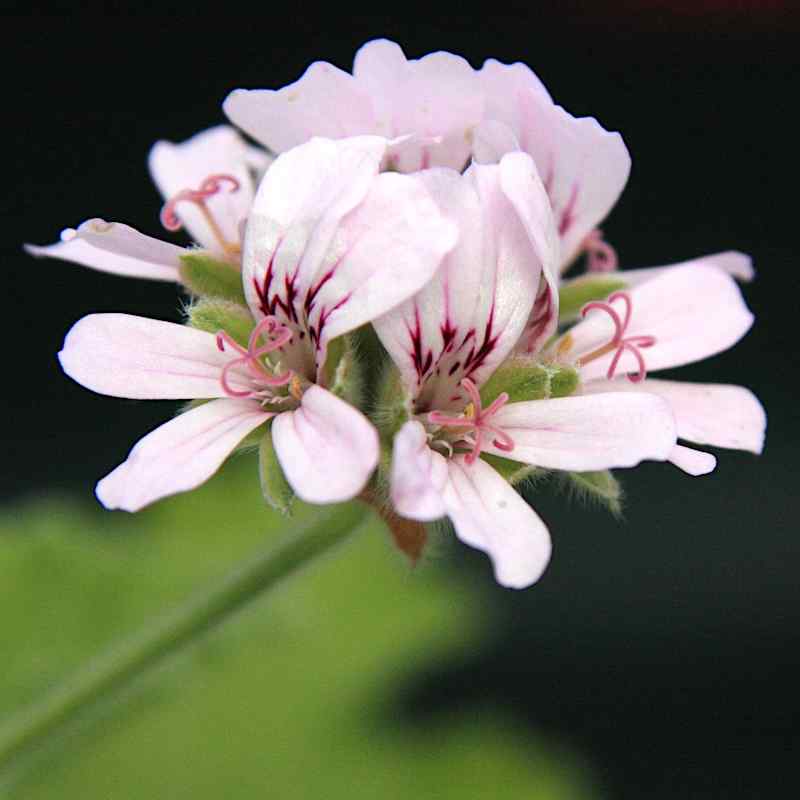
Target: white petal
x,y
693,312
325,101
127,356
583,166
737,265
470,316
517,176
217,151
488,514
491,140
694,462
435,96
327,448
181,454
719,415
330,244
590,432
419,475
115,248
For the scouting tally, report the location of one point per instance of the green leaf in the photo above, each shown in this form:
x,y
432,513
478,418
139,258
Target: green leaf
x,y
295,697
214,315
205,276
599,487
515,472
574,295
523,378
274,486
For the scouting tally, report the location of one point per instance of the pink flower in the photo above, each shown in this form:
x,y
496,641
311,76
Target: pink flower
x,y
208,184
330,244
680,315
448,112
449,338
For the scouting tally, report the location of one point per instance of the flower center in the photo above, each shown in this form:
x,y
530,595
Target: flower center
x,y
600,255
474,423
198,197
262,374
619,342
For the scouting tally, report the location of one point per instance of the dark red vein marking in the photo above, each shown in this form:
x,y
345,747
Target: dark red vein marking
x,y
568,214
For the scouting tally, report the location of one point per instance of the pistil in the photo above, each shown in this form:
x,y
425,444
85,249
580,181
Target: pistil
x,y
276,335
619,343
209,187
600,255
475,421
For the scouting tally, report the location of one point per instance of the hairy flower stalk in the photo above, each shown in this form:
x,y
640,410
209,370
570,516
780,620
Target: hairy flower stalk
x,y
178,628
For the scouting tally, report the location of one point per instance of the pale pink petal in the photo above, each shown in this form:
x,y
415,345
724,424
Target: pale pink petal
x,y
588,432
491,140
435,96
737,265
259,161
181,454
217,151
719,415
419,475
583,166
331,245
115,248
327,448
489,515
693,462
325,101
692,311
470,316
127,356
517,176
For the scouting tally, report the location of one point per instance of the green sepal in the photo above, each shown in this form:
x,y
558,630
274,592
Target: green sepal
x,y
274,486
393,404
600,487
515,472
342,373
214,315
577,293
522,378
206,276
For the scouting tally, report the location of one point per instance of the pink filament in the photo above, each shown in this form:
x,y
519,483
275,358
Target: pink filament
x,y
602,257
478,423
619,342
277,336
209,187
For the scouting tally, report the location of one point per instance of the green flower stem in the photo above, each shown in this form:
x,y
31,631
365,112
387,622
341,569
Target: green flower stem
x,y
178,628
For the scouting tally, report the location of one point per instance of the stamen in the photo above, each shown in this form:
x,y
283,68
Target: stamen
x,y
276,335
600,255
209,187
619,342
476,420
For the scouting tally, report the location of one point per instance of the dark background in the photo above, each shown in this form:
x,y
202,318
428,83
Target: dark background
x,y
664,647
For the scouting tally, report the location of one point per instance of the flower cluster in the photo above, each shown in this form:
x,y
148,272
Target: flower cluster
x,y
378,304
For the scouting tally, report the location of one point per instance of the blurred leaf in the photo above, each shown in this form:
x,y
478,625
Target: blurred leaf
x,y
297,697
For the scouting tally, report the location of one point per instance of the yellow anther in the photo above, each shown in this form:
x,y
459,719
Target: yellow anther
x,y
564,346
296,388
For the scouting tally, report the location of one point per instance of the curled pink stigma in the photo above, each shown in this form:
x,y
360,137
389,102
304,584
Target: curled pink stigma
x,y
476,422
210,186
601,256
276,335
619,342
